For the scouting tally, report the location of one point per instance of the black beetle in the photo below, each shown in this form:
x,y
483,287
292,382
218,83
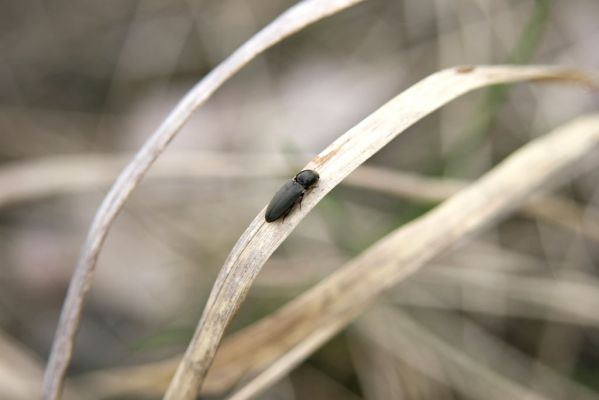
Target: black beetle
x,y
290,194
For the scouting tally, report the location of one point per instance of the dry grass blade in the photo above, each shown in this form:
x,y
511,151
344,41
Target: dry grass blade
x,y
562,297
289,22
465,369
553,209
149,380
489,351
572,300
348,292
400,335
283,364
21,373
334,164
67,174
383,376
33,179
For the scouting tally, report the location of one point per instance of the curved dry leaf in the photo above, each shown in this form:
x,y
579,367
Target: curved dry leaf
x,y
231,361
303,325
333,164
291,21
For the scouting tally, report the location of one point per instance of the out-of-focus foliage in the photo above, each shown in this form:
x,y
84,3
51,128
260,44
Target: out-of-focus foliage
x,y
98,76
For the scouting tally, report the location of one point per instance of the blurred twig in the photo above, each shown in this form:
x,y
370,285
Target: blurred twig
x,y
293,20
405,338
466,367
570,299
21,373
33,179
531,296
555,209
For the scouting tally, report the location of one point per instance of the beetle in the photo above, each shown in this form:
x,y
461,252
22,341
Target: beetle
x,y
290,194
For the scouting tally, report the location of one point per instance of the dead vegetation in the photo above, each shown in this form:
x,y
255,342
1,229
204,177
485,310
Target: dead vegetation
x,y
473,276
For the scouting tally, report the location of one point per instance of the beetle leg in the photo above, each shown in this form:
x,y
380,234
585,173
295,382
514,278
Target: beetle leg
x,y
299,200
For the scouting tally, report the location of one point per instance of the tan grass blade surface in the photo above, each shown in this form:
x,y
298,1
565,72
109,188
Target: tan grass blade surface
x,y
291,21
289,335
333,164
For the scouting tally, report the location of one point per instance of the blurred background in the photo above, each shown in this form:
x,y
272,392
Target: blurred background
x,y
83,84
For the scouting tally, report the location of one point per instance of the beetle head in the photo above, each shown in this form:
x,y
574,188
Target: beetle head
x,y
307,178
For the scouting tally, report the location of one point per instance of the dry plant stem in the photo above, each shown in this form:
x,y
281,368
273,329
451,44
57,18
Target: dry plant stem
x,y
149,380
403,337
557,299
408,339
347,293
38,178
291,21
556,210
382,376
333,164
563,299
21,373
285,363
570,300
567,214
